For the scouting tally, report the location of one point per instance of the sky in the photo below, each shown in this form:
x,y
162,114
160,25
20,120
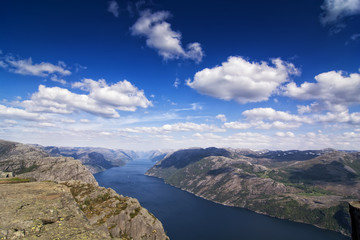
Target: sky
x,y
166,74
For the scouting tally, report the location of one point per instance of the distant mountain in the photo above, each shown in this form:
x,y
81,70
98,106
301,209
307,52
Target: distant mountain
x,y
95,159
306,186
27,161
100,159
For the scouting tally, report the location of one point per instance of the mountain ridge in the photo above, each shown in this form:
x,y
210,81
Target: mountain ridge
x,y
314,190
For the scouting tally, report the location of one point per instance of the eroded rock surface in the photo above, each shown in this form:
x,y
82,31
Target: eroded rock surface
x,y
43,210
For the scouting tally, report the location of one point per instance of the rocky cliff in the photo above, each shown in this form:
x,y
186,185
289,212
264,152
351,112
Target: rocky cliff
x,y
26,161
306,186
69,205
354,209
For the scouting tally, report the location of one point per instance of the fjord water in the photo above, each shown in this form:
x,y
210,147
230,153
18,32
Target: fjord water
x,y
186,216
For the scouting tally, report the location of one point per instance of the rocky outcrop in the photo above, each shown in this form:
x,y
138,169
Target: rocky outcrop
x,y
26,161
69,205
121,216
354,209
43,210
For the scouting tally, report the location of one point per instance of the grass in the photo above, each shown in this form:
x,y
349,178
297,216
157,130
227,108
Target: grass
x,y
135,213
14,180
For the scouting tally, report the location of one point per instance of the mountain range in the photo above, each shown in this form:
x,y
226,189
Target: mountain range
x,y
100,159
305,186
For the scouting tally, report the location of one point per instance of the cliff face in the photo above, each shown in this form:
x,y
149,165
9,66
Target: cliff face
x,y
354,209
71,206
313,190
121,216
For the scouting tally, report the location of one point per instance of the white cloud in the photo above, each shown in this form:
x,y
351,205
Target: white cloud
x,y
285,134
114,8
177,82
121,95
16,113
273,115
336,10
103,99
237,125
161,37
176,127
194,107
55,78
339,117
332,90
243,81
27,67
261,125
221,117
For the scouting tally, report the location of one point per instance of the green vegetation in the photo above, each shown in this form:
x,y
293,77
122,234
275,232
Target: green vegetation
x,y
333,218
24,169
14,180
135,212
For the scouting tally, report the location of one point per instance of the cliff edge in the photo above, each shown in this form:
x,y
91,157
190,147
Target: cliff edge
x,y
58,198
354,209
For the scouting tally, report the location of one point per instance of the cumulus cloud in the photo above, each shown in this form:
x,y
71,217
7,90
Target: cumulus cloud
x,y
27,67
103,99
221,117
243,81
16,113
284,120
113,8
273,115
161,37
337,10
339,117
332,91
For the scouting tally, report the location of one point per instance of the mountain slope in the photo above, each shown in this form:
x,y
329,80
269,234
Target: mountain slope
x,y
312,190
27,161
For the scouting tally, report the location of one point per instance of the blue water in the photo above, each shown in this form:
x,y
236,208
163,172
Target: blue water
x,y
187,217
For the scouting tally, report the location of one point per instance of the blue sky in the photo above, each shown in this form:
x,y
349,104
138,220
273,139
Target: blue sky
x,y
174,74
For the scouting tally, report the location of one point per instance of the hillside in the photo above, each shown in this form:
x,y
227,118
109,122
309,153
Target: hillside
x,y
306,186
58,198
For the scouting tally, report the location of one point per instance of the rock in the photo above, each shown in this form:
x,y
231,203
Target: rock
x,y
27,161
70,205
43,210
354,209
121,216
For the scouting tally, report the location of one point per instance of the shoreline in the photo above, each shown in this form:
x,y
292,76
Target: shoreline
x,y
258,212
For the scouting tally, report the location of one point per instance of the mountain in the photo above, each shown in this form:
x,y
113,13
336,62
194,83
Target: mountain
x,y
26,161
305,186
100,159
95,159
58,198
